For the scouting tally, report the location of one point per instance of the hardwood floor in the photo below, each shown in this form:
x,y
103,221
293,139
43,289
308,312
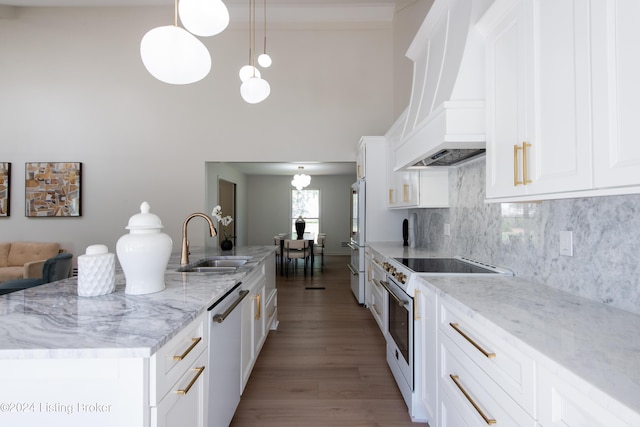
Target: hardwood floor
x,y
325,365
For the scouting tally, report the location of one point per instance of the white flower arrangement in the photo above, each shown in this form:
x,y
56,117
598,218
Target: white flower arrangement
x,y
224,220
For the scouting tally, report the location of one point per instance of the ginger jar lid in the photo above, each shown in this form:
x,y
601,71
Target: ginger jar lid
x,y
145,220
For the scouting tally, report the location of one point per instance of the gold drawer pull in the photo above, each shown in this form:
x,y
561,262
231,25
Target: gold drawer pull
x,y
187,351
472,342
525,180
516,172
405,193
475,405
193,381
258,306
390,196
416,294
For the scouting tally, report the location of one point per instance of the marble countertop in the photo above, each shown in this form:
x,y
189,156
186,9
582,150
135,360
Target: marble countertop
x,y
52,321
586,340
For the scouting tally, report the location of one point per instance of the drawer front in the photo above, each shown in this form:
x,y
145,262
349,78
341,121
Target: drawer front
x,y
564,403
468,393
377,304
186,402
272,310
174,358
512,370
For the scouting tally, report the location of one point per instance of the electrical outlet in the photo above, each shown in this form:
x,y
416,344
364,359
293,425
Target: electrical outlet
x,y
447,230
566,243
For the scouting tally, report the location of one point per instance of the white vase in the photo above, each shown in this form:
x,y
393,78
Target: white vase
x,y
96,271
144,253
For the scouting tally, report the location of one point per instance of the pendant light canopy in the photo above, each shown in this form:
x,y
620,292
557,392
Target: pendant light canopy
x,y
204,17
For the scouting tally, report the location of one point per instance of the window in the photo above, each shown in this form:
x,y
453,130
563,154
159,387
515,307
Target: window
x,y
307,204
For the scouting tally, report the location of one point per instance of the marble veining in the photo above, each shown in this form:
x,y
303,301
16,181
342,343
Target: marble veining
x,y
595,342
524,237
52,321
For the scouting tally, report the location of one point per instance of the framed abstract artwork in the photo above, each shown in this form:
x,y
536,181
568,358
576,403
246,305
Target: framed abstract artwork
x,y
52,189
5,188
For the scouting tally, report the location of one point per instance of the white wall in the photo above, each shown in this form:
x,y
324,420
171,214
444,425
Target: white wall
x,y
74,89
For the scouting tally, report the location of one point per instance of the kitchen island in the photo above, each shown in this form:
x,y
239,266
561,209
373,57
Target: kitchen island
x,y
564,359
73,360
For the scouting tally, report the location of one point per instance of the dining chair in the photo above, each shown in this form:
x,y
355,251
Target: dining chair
x,y
318,249
295,250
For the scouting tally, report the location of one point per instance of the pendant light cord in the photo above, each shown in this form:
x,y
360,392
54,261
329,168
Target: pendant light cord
x,y
265,26
175,14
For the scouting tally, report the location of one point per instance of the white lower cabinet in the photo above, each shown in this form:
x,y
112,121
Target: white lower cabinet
x,y
253,329
179,378
563,403
426,309
186,405
478,400
376,296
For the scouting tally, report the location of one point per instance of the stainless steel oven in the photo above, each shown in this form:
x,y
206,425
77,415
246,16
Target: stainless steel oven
x,y
399,334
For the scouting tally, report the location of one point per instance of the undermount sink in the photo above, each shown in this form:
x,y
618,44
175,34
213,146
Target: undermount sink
x,y
215,264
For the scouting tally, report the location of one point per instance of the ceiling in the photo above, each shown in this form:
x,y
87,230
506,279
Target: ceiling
x,y
115,3
281,168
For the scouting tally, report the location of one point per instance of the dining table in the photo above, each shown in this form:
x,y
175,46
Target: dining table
x,y
311,237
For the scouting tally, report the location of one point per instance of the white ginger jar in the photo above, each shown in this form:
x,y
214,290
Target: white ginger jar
x,y
144,253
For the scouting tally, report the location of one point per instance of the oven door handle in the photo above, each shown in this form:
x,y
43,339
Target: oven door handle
x,y
392,294
353,247
354,272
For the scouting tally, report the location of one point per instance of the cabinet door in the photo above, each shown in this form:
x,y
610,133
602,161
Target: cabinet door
x,y
563,404
247,349
561,139
186,405
508,101
616,69
426,308
538,100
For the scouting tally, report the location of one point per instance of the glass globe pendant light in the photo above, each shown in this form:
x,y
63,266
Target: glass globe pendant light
x,y
264,60
254,89
173,55
204,17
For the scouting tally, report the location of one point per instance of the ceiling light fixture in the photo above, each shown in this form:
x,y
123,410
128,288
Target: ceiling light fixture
x,y
254,88
173,55
300,180
204,17
264,60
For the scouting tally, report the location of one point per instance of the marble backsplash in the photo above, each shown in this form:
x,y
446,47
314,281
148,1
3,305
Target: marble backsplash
x,y
525,237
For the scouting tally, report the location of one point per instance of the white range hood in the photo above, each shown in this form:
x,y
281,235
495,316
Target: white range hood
x,y
446,110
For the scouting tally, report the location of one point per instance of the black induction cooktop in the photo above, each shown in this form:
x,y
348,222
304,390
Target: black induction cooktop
x,y
442,265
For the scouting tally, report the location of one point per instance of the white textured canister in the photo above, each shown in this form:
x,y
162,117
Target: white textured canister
x,y
96,271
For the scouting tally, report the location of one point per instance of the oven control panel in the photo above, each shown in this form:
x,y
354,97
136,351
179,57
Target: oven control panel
x,y
398,275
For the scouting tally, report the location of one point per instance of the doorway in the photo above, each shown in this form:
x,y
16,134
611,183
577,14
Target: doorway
x,y
227,201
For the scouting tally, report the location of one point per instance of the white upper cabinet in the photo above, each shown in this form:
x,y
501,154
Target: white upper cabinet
x,y
559,96
616,69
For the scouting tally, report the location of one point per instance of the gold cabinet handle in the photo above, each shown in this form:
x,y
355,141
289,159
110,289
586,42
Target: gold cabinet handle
x,y
193,381
375,307
194,343
486,419
359,172
391,196
471,341
416,293
258,307
516,171
405,193
525,180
